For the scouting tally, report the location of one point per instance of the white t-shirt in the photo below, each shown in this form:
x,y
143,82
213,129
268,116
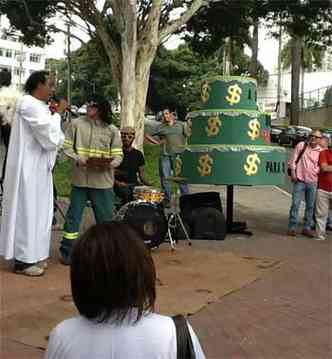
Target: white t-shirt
x,y
152,337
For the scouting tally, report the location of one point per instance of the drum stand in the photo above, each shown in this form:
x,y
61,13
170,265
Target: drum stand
x,y
172,225
173,219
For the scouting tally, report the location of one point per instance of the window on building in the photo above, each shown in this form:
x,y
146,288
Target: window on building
x,y
35,58
8,53
18,71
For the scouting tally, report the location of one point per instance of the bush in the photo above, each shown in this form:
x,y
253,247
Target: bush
x,y
62,171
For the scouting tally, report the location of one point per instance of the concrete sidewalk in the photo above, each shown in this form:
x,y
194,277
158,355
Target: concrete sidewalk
x,y
286,314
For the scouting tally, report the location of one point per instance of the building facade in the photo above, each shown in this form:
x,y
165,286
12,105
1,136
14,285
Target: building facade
x,y
17,58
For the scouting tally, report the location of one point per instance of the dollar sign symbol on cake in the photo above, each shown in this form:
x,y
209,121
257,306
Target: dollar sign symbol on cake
x,y
254,126
205,163
213,126
205,93
178,166
251,167
234,94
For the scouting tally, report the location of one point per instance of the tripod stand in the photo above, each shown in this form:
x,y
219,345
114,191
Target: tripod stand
x,y
173,218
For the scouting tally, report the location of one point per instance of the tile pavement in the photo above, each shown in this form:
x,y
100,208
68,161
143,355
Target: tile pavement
x,y
285,314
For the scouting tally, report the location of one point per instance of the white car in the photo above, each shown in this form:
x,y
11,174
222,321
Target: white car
x,y
82,110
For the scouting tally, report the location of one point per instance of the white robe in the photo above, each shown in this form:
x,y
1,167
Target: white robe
x,y
26,220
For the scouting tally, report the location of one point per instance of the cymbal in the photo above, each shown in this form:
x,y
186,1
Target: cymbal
x,y
177,179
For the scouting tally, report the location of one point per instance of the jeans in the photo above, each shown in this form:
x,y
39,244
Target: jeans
x,y
166,170
125,194
309,191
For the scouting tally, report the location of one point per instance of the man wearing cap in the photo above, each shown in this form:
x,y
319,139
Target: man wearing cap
x,y
95,147
130,173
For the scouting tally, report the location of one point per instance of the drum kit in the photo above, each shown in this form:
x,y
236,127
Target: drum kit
x,y
149,217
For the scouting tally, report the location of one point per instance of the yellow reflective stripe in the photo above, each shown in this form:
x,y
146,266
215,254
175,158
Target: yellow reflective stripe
x,y
68,235
67,143
117,152
92,150
87,154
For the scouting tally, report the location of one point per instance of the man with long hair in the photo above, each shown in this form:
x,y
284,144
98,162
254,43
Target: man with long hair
x,y
95,148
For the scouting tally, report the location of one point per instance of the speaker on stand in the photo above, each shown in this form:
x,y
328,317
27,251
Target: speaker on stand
x,y
203,215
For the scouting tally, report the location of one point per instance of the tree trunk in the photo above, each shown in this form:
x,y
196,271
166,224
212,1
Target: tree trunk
x,y
227,57
127,25
296,69
145,57
253,68
128,88
302,86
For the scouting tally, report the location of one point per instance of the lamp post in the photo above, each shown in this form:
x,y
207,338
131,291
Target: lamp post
x,y
279,73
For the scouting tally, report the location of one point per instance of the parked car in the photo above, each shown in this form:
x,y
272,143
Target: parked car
x,y
327,133
292,135
274,133
82,110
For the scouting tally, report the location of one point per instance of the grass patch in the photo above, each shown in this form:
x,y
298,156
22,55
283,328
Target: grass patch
x,y
62,171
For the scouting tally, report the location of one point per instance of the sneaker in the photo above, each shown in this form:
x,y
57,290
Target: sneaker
x,y
320,238
31,271
291,233
43,264
309,233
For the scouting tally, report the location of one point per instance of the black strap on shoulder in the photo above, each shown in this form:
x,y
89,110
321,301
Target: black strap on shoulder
x,y
185,348
301,153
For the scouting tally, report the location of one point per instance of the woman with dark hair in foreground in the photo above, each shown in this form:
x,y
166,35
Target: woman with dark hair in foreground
x,y
113,286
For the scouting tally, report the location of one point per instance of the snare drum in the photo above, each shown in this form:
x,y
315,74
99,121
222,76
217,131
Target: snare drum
x,y
148,194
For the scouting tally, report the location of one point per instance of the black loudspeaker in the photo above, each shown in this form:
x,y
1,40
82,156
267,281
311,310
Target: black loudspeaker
x,y
188,202
203,216
207,223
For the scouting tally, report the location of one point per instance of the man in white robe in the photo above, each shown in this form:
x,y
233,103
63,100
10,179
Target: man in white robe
x,y
27,213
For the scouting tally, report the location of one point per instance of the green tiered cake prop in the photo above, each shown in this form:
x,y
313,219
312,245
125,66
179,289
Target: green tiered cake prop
x,y
230,138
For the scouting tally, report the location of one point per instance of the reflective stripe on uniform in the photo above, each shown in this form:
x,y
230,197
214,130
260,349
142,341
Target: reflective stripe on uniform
x,y
68,235
117,151
93,152
68,143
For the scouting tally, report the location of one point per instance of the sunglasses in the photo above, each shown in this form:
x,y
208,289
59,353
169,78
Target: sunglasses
x,y
92,104
128,135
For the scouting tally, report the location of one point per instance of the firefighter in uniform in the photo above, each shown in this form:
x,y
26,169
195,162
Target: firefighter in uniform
x,y
87,139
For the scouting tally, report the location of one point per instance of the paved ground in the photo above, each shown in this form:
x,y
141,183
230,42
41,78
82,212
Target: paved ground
x,y
286,314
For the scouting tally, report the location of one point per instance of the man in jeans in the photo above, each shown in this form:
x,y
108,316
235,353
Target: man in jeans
x,y
324,192
173,137
304,175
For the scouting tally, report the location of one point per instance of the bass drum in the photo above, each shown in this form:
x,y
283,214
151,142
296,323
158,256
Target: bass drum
x,y
147,218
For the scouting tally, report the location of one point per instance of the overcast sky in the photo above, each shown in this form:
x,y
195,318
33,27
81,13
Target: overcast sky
x,y
268,48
